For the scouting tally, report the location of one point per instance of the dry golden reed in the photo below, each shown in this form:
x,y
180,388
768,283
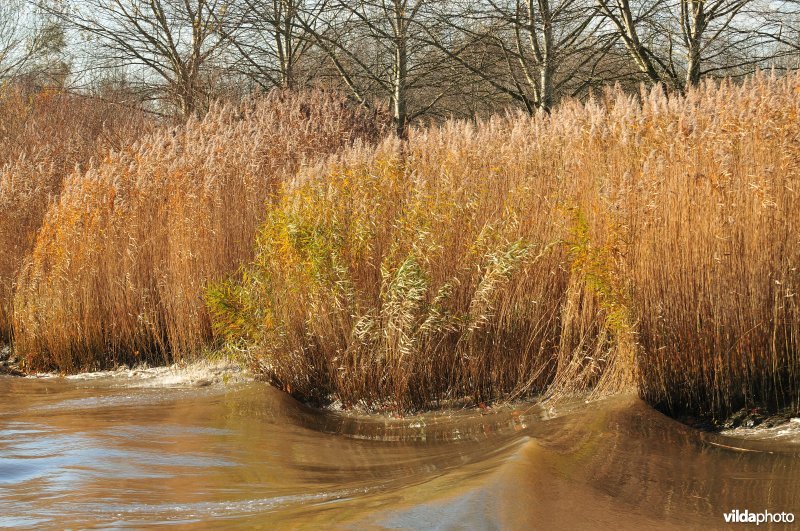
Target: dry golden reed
x,y
715,248
119,265
455,265
647,241
44,136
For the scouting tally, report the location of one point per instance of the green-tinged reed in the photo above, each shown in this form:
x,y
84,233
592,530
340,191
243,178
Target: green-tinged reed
x,y
650,242
457,265
44,136
646,242
119,266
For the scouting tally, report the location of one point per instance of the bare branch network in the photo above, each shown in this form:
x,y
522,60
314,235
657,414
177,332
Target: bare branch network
x,y
421,59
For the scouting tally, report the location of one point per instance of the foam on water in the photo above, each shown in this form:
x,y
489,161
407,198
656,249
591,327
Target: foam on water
x,y
788,432
195,374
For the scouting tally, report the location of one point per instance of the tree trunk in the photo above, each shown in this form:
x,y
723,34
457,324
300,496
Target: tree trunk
x,y
695,29
400,111
547,65
693,67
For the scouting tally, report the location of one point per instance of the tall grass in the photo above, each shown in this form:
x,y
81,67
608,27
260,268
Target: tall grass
x,y
457,265
647,242
119,265
44,136
627,241
715,249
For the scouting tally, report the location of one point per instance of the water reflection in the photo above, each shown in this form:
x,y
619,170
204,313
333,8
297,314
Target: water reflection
x,y
619,464
110,453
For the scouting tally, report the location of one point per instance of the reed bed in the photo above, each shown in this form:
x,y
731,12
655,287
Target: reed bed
x,y
44,136
647,242
715,249
377,281
121,260
643,242
460,264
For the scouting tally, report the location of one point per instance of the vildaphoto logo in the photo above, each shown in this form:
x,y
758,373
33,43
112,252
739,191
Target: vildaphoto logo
x,y
765,517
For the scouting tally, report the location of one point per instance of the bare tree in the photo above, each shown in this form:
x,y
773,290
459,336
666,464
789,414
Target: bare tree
x,y
271,39
168,42
421,57
15,49
676,43
542,49
781,27
27,39
377,49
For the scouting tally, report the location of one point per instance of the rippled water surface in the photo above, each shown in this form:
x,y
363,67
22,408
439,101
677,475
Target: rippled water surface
x,y
115,452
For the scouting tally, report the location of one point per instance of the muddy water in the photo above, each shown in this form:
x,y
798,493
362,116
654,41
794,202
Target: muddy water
x,y
117,452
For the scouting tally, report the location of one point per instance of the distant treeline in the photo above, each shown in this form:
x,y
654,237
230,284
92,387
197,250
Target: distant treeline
x,y
420,59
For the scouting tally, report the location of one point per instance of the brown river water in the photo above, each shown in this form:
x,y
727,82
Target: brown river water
x,y
128,452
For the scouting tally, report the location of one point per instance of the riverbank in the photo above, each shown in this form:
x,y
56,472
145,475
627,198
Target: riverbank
x,y
192,374
747,421
9,363
645,244
222,370
198,373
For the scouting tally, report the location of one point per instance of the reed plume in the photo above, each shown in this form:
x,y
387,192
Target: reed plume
x,y
647,242
45,136
120,263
